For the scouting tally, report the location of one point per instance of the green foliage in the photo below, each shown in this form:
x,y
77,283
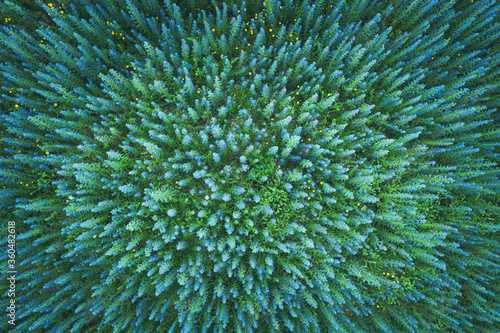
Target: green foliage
x,y
163,201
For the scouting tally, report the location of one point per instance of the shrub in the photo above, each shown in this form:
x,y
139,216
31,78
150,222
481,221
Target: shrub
x,y
251,167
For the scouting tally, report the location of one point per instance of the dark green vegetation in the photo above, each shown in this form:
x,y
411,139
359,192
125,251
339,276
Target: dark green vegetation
x,y
247,166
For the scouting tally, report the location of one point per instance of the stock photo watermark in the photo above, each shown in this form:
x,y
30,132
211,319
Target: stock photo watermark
x,y
11,253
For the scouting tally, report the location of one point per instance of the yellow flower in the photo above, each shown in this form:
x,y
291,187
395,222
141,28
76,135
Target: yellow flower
x,y
321,183
55,104
308,181
20,182
347,211
358,203
308,198
47,152
17,106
